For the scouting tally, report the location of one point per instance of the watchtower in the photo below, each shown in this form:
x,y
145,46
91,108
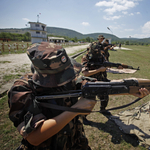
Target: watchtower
x,y
38,32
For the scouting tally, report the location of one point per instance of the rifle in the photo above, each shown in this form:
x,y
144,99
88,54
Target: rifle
x,y
92,89
110,64
76,55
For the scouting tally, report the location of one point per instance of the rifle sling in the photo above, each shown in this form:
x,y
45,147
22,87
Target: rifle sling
x,y
123,106
52,106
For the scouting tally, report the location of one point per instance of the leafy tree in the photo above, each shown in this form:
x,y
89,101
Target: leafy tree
x,y
127,42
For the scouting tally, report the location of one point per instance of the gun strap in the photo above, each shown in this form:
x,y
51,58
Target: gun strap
x,y
53,106
123,106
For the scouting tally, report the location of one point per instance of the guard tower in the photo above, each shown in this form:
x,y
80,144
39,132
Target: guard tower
x,y
38,32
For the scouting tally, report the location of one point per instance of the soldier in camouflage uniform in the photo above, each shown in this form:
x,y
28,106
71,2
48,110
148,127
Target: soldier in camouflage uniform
x,y
43,128
106,48
95,71
101,39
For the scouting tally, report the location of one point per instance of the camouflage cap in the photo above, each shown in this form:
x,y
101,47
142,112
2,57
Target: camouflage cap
x,y
52,65
100,37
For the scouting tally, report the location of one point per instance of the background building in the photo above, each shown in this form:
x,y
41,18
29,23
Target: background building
x,y
56,39
38,32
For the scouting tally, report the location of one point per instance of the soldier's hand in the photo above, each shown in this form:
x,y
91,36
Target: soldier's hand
x,y
102,69
120,67
142,93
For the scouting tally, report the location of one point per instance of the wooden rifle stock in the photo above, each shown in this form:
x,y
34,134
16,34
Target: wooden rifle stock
x,y
142,83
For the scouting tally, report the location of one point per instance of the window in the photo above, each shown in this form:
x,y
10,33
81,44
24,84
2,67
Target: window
x,y
37,32
37,25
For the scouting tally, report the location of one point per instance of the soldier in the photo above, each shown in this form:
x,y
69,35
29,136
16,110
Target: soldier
x,y
101,40
94,55
106,46
49,128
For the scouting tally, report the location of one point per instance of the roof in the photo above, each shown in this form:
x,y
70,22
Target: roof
x,y
36,23
55,38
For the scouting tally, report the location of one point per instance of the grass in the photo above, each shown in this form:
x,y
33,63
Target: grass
x,y
7,78
5,62
103,134
9,137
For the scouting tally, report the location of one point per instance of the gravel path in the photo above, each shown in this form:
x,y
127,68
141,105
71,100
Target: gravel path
x,y
19,63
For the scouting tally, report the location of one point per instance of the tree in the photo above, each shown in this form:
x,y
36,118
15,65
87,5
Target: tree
x,y
127,42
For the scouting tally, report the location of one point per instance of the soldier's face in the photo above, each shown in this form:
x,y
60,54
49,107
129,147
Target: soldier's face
x,y
101,39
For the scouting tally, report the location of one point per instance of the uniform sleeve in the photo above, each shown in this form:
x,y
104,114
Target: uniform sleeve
x,y
81,80
30,123
23,111
84,61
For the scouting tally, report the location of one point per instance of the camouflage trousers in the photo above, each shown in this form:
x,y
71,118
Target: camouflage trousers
x,y
23,147
82,144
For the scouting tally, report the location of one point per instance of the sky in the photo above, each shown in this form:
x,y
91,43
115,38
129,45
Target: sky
x,y
122,18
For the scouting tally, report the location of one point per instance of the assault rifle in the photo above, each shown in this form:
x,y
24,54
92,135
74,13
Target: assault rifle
x,y
92,89
110,64
76,55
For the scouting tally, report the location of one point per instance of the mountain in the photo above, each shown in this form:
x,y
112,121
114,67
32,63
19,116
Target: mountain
x,y
144,40
106,35
15,30
71,33
64,32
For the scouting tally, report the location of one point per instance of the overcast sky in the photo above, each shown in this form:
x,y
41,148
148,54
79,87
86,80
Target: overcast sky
x,y
124,18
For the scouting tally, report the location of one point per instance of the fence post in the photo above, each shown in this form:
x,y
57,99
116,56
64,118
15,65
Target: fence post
x,y
3,47
9,48
23,47
14,47
17,45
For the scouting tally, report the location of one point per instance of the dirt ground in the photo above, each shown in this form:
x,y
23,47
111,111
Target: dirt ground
x,y
12,64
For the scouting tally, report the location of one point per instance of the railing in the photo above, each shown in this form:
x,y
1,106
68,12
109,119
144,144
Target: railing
x,y
39,36
39,29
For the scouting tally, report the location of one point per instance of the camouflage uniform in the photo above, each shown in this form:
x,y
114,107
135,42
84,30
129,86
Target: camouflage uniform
x,y
94,55
106,54
27,114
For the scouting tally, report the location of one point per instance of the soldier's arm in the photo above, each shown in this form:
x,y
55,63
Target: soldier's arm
x,y
92,72
52,126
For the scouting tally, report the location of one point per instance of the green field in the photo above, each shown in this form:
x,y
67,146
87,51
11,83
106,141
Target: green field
x,y
103,134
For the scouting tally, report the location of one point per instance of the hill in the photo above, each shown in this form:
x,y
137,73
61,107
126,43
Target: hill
x,y
71,33
15,30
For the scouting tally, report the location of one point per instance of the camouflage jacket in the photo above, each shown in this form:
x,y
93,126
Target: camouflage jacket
x,y
87,67
27,116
